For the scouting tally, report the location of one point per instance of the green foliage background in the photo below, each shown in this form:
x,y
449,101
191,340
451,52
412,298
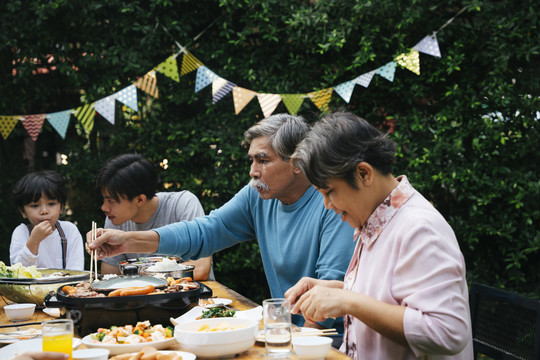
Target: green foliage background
x,y
467,127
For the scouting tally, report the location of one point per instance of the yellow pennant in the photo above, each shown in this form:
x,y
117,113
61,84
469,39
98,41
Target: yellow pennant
x,y
189,63
85,114
148,84
410,61
321,98
7,123
241,98
293,102
169,68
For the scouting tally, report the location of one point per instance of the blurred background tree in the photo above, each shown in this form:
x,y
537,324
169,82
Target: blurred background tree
x,y
467,127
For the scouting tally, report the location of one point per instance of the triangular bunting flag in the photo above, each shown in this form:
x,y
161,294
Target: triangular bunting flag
x,y
429,45
33,124
387,71
60,121
148,84
7,123
220,88
105,107
189,63
128,96
365,79
321,98
241,97
293,102
169,68
85,114
345,90
268,103
204,78
410,61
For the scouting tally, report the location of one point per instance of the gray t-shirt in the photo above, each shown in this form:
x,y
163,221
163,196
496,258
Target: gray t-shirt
x,y
172,207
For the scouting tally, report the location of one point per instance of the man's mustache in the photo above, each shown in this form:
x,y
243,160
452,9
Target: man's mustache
x,y
258,185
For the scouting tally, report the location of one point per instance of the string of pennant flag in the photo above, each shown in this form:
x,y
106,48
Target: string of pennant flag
x,y
268,102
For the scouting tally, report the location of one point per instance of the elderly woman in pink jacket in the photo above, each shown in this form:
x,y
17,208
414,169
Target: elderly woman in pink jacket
x,y
404,295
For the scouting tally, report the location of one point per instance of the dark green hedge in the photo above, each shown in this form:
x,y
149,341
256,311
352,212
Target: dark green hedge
x,y
478,168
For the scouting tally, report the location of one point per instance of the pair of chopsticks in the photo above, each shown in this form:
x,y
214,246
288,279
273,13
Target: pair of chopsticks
x,y
93,258
315,332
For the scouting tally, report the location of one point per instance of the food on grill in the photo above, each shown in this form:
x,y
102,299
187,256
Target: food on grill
x,y
81,290
84,290
142,332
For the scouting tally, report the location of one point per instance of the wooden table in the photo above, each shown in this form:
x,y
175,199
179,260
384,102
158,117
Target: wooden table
x,y
239,302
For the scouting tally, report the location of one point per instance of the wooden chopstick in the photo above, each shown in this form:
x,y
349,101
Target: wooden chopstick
x,y
307,333
93,258
91,253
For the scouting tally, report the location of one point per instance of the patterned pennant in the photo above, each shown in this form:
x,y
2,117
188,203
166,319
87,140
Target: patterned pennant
x,y
60,121
105,107
387,71
345,90
429,45
204,78
220,88
7,123
128,97
365,79
293,102
189,63
268,103
169,68
148,84
241,97
85,114
321,98
33,124
410,61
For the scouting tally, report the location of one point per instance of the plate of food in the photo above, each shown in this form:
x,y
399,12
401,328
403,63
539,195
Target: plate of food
x,y
129,338
14,336
151,353
213,302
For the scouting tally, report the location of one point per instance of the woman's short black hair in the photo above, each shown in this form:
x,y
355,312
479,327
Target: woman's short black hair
x,y
337,143
31,187
127,176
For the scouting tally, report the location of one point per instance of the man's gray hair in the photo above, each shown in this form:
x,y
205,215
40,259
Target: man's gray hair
x,y
284,133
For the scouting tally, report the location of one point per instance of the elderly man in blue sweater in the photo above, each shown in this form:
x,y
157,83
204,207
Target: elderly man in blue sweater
x,y
279,208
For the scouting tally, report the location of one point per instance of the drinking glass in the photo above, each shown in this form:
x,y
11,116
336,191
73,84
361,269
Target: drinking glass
x,y
57,336
277,327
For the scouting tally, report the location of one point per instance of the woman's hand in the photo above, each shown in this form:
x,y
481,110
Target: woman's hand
x,y
320,303
303,285
42,355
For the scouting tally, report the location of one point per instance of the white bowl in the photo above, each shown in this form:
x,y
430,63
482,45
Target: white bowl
x,y
19,312
311,347
217,343
91,354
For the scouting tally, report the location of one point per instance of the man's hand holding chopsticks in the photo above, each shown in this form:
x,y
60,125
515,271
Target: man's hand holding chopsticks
x,y
111,242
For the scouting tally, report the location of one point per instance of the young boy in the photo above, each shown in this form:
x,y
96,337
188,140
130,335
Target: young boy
x,y
127,184
46,242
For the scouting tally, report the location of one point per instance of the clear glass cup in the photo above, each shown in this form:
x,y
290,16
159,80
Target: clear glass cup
x,y
57,336
277,327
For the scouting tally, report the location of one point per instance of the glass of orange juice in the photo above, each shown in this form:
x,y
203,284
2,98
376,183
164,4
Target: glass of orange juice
x,y
57,336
